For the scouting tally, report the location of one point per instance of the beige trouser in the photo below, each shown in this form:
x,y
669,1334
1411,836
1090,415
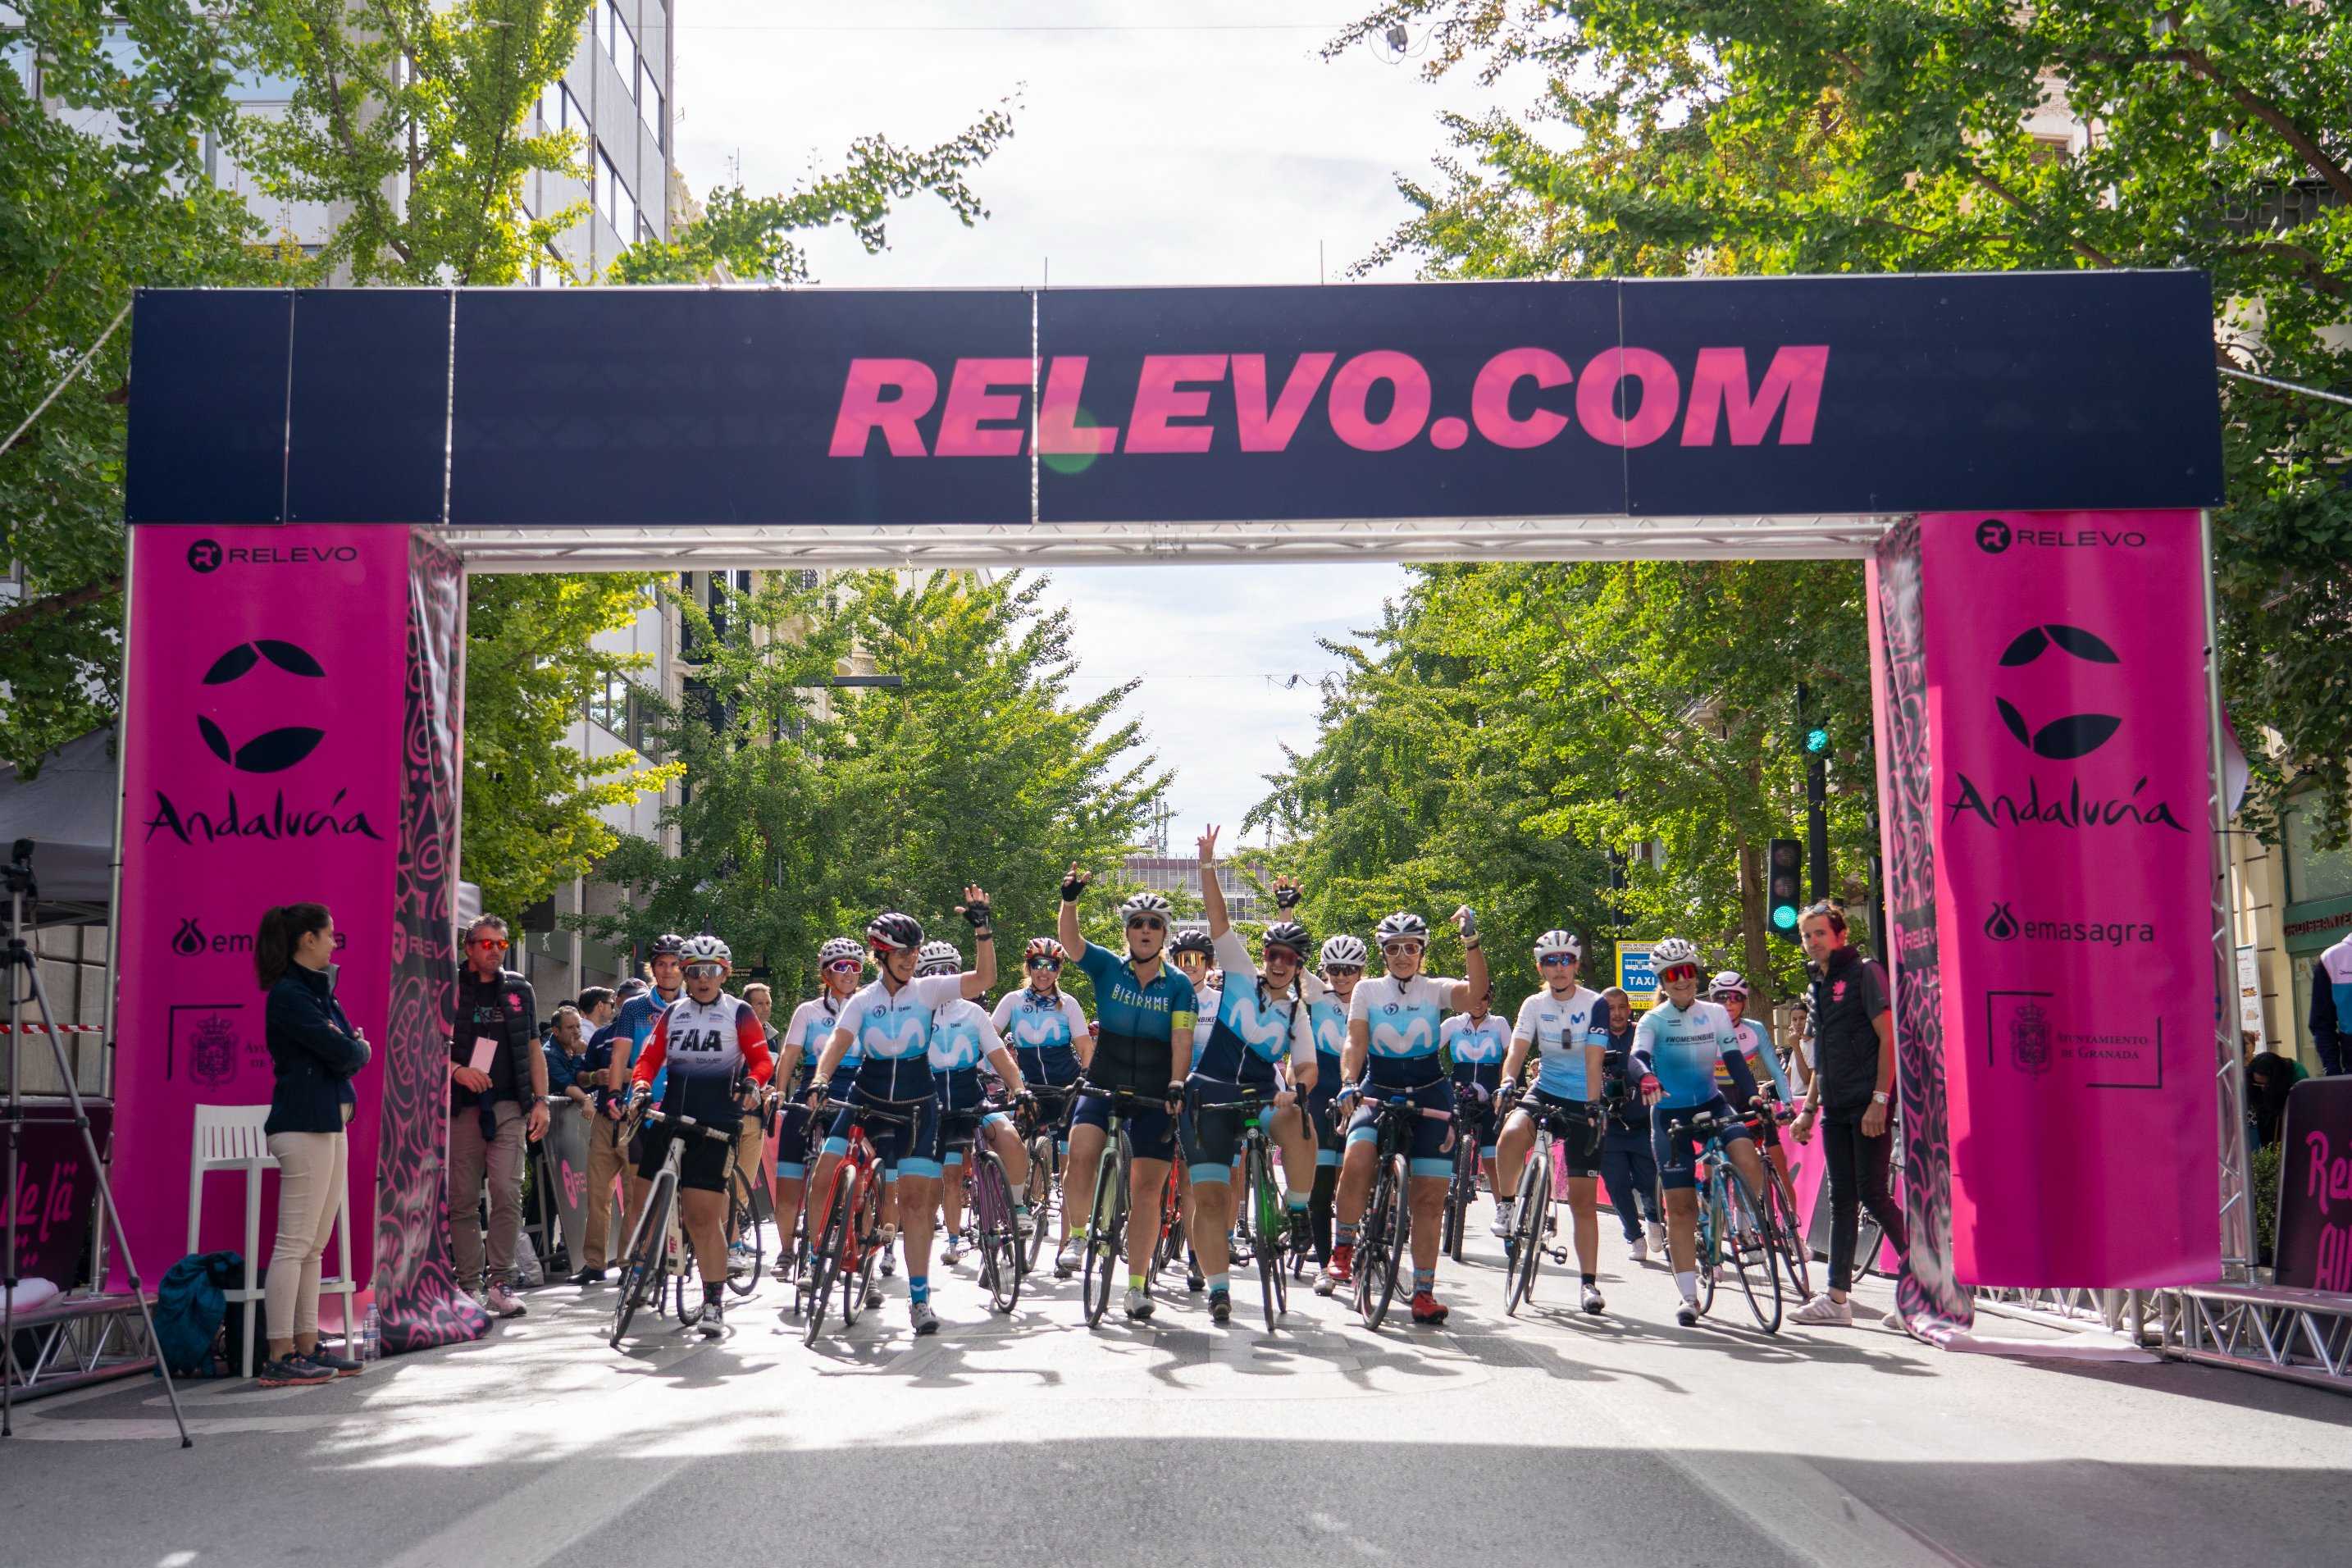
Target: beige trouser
x,y
310,1168
471,1159
608,1155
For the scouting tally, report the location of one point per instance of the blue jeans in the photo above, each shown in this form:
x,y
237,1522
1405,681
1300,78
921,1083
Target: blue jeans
x,y
1629,1170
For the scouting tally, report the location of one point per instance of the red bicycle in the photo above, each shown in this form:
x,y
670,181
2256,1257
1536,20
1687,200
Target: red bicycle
x,y
847,1247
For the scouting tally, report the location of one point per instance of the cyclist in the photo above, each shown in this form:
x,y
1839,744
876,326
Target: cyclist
x,y
1259,1028
1145,1011
1675,1047
1570,1025
715,1051
632,1028
1729,991
1047,1029
963,1039
1475,1041
841,963
1328,994
891,1021
1193,953
1393,1021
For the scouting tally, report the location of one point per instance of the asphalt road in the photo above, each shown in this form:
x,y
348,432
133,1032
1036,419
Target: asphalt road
x,y
1555,1437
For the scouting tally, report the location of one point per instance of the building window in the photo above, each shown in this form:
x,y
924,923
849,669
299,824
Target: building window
x,y
649,102
612,198
570,116
2313,873
619,42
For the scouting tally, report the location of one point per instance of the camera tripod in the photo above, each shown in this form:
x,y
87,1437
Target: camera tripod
x,y
18,874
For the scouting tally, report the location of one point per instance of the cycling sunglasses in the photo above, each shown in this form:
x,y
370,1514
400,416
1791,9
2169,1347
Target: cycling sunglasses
x,y
1053,964
705,971
1678,972
1147,923
845,966
1343,969
490,943
1550,959
1409,949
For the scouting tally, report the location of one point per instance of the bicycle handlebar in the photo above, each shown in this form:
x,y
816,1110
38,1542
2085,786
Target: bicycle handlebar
x,y
689,1124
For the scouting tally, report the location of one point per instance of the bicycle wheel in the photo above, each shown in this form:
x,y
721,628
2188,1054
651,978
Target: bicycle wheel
x,y
1750,1242
641,1278
689,1281
1795,1256
1524,1254
745,1255
1000,1247
1106,1231
1708,1238
1169,1247
1460,1195
866,1219
1274,1288
824,1261
1040,1192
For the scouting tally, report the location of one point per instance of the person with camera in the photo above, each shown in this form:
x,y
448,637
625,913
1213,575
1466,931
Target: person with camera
x,y
314,1054
496,1069
1629,1167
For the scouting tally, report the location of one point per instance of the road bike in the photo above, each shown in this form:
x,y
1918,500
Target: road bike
x,y
1531,1241
988,1200
743,1240
1734,1223
659,1249
1105,1248
1385,1232
1462,1192
1172,1243
1046,1126
1261,1217
847,1246
1780,1198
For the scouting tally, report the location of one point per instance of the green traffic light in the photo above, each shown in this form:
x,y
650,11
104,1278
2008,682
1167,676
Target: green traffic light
x,y
1784,916
1817,741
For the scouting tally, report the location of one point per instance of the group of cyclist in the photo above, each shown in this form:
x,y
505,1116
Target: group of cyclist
x,y
1194,1037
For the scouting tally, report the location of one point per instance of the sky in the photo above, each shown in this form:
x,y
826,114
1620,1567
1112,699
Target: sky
x,y
1153,145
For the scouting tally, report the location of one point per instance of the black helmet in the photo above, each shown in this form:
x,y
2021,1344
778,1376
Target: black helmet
x,y
1192,941
669,944
891,931
1288,934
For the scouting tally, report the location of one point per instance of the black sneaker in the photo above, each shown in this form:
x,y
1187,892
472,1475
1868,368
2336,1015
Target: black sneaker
x,y
292,1371
341,1366
1220,1306
589,1276
1194,1280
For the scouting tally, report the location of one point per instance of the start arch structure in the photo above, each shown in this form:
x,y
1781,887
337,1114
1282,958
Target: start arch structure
x,y
2023,462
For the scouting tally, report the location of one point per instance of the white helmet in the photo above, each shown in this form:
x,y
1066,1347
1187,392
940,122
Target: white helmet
x,y
938,958
839,948
1146,904
1401,926
705,949
1728,983
1557,945
1671,951
1347,952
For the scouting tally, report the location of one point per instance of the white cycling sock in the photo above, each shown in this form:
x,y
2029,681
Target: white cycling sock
x,y
1686,1281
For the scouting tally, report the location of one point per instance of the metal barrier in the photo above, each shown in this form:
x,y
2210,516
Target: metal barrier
x,y
2302,1335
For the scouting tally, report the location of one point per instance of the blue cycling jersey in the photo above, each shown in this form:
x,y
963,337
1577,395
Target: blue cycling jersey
x,y
1476,1045
893,1029
962,1038
1138,1021
1253,1030
1043,1032
635,1023
1403,1018
1679,1047
1562,1028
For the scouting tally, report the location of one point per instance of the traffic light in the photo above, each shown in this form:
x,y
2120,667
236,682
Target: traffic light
x,y
1783,864
1817,741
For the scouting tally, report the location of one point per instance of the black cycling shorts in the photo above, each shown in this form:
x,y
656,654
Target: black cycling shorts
x,y
1149,1127
703,1166
1578,1144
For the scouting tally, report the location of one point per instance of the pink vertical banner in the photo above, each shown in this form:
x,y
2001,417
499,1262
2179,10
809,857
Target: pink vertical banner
x,y
261,765
2068,754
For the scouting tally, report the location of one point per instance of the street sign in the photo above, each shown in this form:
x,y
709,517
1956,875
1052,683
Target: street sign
x,y
1636,976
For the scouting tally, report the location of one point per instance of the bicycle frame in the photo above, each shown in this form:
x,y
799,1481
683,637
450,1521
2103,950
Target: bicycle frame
x,y
1389,1204
643,1263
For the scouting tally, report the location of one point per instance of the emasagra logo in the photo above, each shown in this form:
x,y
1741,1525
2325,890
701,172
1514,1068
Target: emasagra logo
x,y
272,751
2074,735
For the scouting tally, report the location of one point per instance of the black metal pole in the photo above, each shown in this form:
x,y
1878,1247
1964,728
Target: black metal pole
x,y
1817,796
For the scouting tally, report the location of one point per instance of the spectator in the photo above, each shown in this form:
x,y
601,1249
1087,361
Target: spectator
x,y
496,1070
607,1149
1629,1169
2270,1077
1851,1093
567,1055
1799,1057
314,1053
2331,1007
752,1138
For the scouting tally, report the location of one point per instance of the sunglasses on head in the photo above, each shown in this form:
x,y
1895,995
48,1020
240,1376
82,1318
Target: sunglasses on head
x,y
1051,963
843,966
1147,923
491,943
705,971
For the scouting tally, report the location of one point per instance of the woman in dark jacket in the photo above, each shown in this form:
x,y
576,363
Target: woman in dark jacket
x,y
316,1053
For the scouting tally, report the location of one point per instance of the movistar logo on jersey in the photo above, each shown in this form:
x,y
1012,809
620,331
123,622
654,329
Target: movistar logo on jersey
x,y
1038,1029
1415,1040
1260,1028
895,1036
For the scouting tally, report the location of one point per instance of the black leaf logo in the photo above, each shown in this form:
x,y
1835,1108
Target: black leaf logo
x,y
2028,648
2015,721
2077,735
274,750
188,942
214,739
2081,644
231,664
295,662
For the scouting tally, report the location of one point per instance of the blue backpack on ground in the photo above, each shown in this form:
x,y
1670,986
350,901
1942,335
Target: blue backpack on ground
x,y
189,1309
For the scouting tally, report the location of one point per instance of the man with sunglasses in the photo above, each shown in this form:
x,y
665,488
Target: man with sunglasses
x,y
1569,1024
1393,1021
1260,1036
1675,1049
1146,1012
1048,1031
493,1061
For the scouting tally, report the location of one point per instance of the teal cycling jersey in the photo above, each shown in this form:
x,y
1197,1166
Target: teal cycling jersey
x,y
1679,1047
1138,1021
635,1021
1403,1018
811,1026
1043,1032
893,1030
1758,1046
1562,1028
1251,1031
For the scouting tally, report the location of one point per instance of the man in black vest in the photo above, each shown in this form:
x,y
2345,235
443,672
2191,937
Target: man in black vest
x,y
1852,1094
498,1098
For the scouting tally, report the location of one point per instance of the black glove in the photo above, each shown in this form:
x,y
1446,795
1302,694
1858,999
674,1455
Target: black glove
x,y
1175,1094
1285,898
1073,885
976,913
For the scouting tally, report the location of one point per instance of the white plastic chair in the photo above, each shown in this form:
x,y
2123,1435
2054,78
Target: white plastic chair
x,y
230,1138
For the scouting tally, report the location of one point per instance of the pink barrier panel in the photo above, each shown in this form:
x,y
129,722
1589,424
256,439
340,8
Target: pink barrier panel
x,y
2066,726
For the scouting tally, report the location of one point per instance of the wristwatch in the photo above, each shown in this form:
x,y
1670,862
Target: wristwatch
x,y
1878,1097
